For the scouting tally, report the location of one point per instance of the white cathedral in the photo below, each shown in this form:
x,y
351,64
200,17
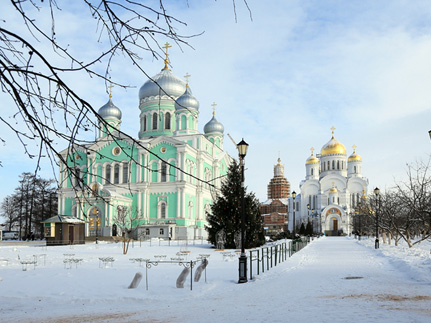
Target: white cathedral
x,y
332,188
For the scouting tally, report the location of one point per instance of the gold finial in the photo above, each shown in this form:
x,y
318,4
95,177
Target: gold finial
x,y
333,185
187,79
214,105
312,151
110,90
333,129
354,148
166,53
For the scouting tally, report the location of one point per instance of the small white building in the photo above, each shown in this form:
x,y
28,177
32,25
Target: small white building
x,y
332,188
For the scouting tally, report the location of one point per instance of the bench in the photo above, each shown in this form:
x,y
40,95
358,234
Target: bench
x,y
69,261
140,260
25,263
106,261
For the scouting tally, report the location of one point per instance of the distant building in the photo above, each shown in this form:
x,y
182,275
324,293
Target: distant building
x,y
274,211
332,188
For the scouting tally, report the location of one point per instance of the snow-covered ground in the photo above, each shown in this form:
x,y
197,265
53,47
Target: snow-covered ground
x,y
330,280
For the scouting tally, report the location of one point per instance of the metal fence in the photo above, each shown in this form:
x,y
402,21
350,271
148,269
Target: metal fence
x,y
267,257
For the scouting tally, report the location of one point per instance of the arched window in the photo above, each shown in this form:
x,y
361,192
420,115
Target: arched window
x,y
145,123
333,164
163,172
163,211
77,177
116,174
191,209
162,231
125,172
183,122
312,172
338,164
167,120
108,174
329,165
354,169
154,121
147,231
74,211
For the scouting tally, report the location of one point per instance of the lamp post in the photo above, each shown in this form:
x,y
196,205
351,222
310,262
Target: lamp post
x,y
377,192
429,132
312,219
320,223
242,150
294,207
97,226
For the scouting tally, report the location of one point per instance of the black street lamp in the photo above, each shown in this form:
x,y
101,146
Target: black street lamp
x,y
242,150
320,223
294,207
363,202
377,192
308,212
96,212
312,219
429,132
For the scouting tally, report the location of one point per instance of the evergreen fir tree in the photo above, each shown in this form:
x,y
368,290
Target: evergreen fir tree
x,y
302,229
226,213
309,228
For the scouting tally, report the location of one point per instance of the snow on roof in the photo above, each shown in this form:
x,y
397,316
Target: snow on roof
x,y
63,219
269,201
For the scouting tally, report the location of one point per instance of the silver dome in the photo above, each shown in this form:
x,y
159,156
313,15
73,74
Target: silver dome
x,y
213,126
171,84
109,111
187,101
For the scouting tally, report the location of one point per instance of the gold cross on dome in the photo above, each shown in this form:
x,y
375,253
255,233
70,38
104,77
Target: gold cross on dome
x,y
312,150
214,105
187,78
110,90
354,148
166,49
166,53
332,128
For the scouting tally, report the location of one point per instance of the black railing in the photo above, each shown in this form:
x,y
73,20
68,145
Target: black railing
x,y
268,257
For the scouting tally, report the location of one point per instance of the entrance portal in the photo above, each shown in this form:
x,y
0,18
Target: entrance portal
x,y
335,225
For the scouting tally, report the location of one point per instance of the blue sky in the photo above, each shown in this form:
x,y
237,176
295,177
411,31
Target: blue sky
x,y
281,81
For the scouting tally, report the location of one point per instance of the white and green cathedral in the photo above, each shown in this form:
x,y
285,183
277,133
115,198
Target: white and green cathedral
x,y
162,180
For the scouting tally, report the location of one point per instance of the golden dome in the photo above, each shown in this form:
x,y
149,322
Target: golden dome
x,y
312,159
333,146
333,189
354,156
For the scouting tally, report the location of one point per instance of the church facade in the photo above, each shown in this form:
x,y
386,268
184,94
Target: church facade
x,y
162,182
332,188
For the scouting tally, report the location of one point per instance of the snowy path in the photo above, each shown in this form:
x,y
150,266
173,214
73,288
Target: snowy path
x,y
309,287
